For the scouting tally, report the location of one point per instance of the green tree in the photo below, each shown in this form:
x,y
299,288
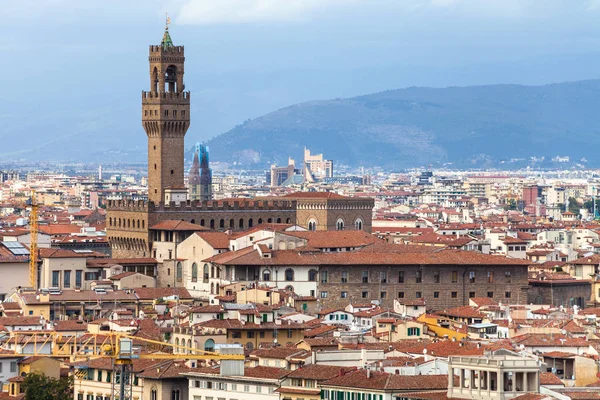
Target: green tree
x,y
40,387
574,205
512,204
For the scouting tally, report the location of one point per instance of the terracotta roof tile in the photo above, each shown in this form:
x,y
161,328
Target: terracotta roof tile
x,y
176,225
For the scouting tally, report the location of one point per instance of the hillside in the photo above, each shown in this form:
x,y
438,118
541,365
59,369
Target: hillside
x,y
467,126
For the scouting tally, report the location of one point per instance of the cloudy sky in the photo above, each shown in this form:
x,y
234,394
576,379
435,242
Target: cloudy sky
x,y
248,57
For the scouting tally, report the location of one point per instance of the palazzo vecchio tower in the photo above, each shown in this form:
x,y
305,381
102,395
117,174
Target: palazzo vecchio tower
x,y
165,118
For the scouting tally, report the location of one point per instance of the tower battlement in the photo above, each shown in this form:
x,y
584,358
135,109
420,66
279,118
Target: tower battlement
x,y
210,205
158,50
162,97
225,205
128,205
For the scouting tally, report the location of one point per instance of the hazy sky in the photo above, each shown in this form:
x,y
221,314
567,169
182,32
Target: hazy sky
x,y
248,57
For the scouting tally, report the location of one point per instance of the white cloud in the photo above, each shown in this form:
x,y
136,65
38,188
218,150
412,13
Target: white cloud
x,y
242,11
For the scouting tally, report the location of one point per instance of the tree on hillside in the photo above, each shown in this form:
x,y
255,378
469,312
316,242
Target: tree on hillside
x,y
40,387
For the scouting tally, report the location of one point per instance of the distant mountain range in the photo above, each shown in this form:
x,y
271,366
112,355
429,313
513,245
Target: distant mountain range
x,y
505,126
478,126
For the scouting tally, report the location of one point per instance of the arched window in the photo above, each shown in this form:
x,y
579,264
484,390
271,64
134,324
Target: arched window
x,y
339,225
209,345
153,394
288,221
312,275
250,223
143,224
270,220
129,223
171,81
278,220
177,345
358,224
175,394
266,275
154,82
189,346
202,222
205,274
212,288
193,221
241,224
212,271
289,275
222,224
194,272
231,223
138,224
260,221
179,272
312,224
212,224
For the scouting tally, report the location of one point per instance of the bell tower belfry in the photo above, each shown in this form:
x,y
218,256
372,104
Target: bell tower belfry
x,y
165,118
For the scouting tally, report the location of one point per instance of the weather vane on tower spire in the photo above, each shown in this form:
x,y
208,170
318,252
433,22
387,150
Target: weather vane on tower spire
x,y
167,21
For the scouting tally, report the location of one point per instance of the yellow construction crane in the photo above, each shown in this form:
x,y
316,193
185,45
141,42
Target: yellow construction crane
x,y
120,347
33,245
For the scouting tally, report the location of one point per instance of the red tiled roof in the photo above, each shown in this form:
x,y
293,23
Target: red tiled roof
x,y
61,253
122,275
462,312
484,301
548,378
250,256
364,379
318,372
175,225
217,240
335,239
155,293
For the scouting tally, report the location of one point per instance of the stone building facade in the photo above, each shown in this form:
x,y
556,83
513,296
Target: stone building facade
x,y
128,221
383,273
441,286
326,211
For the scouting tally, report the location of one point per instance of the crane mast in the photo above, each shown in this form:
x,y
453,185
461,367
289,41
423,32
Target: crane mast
x,y
33,245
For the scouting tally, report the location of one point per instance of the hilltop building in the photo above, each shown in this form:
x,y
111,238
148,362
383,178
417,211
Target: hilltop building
x,y
316,166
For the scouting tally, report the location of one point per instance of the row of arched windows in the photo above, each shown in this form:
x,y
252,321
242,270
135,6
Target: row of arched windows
x,y
212,223
340,224
289,275
127,223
